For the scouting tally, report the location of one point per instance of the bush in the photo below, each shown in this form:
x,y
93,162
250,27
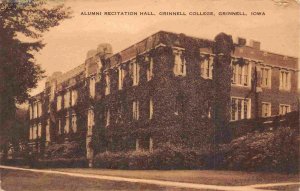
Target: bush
x,y
61,163
267,151
166,157
64,150
68,154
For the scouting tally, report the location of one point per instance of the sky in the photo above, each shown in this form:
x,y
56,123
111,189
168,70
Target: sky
x,y
68,43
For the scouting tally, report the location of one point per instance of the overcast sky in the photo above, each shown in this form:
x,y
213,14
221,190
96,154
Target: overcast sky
x,y
68,43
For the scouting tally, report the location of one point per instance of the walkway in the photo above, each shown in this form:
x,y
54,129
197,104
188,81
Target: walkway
x,y
255,187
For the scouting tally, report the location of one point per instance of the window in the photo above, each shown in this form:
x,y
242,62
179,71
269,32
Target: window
x,y
59,126
150,144
207,67
48,130
90,121
119,114
107,117
266,109
39,105
135,110
74,123
179,105
241,74
67,100
285,80
209,112
107,87
52,93
151,108
121,77
34,132
136,73
179,65
30,132
58,103
92,86
284,109
39,130
266,77
150,70
240,108
35,110
74,97
30,111
67,125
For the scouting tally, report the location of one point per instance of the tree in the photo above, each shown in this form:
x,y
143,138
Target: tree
x,y
18,71
222,74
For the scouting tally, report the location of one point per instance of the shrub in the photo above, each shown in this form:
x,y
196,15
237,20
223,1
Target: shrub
x,y
64,150
268,151
61,163
166,157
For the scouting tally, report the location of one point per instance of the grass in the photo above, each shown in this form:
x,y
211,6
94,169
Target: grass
x,y
211,177
14,180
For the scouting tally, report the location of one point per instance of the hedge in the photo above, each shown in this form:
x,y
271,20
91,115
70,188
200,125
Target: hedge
x,y
276,150
167,157
60,163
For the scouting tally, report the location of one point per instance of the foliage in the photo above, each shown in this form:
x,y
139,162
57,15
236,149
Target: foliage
x,y
166,157
79,162
268,151
18,71
64,150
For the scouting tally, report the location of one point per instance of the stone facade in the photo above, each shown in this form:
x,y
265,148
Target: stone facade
x,y
156,91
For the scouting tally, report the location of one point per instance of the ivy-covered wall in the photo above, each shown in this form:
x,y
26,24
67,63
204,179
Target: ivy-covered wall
x,y
190,127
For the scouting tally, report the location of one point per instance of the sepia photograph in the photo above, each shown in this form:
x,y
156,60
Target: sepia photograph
x,y
154,95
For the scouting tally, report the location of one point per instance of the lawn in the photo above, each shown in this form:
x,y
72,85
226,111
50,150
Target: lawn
x,y
14,180
212,177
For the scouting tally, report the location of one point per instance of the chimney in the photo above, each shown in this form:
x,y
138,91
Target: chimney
x,y
239,41
255,44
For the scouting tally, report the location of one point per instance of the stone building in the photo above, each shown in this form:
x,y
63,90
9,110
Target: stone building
x,y
156,91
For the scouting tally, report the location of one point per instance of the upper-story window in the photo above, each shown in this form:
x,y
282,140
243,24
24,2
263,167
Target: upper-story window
x,y
136,73
58,103
206,68
285,80
150,70
284,109
35,110
92,86
266,109
179,65
266,77
30,111
241,74
107,85
39,105
135,110
67,99
121,73
240,108
150,108
74,97
107,117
